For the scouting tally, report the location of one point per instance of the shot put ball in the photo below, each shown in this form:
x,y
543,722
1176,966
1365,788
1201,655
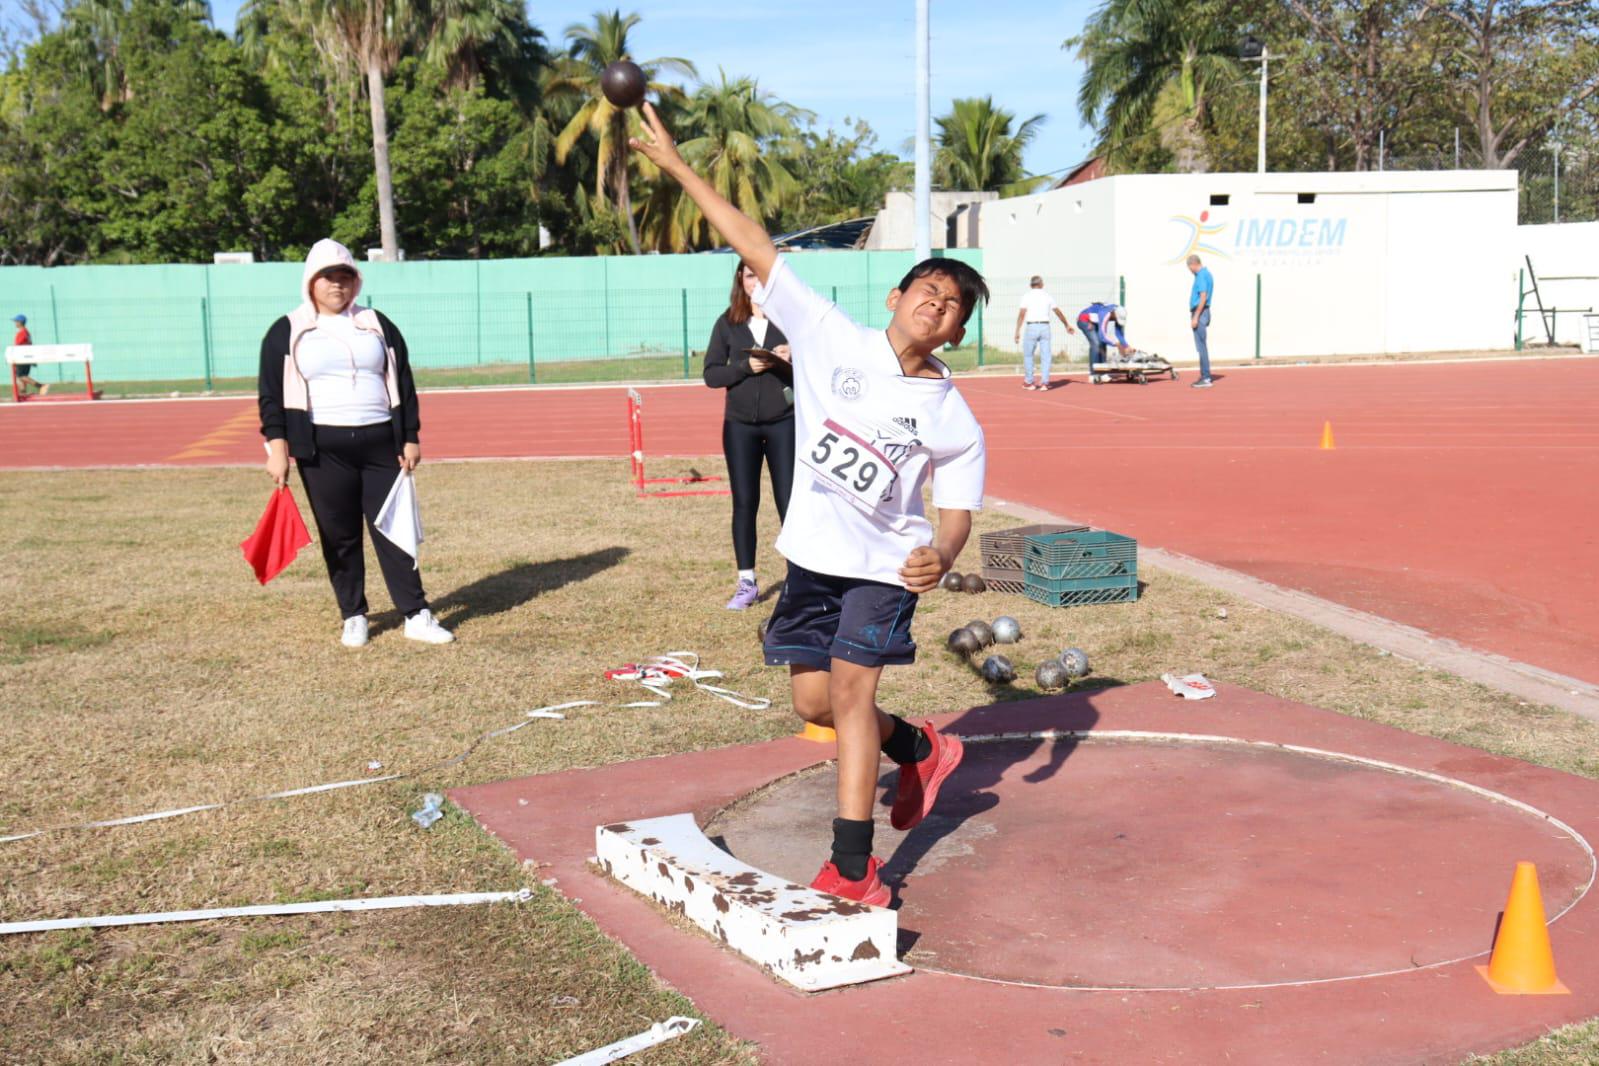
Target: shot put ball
x,y
998,670
951,582
964,642
1075,662
1007,630
982,631
623,84
1051,675
974,583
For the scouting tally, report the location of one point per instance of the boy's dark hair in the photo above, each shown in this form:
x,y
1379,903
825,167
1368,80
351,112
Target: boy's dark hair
x,y
965,277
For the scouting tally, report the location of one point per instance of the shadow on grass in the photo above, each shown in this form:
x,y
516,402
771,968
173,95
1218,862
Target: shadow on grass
x,y
514,586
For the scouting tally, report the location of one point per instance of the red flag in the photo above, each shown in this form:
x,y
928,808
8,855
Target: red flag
x,y
278,537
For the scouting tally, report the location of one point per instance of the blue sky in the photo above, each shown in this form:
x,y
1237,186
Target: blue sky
x,y
857,58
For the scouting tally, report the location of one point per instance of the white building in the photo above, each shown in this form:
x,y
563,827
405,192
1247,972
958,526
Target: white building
x,y
952,221
1305,264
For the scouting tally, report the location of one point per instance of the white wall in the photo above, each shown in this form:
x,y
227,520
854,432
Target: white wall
x,y
894,229
1569,250
1377,263
1067,237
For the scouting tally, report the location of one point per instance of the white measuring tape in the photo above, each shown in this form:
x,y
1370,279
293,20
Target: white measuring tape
x,y
372,903
657,674
659,1033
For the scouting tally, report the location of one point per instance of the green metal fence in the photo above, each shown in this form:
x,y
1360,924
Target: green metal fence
x,y
161,328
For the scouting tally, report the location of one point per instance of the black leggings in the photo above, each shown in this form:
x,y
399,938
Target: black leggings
x,y
744,444
347,481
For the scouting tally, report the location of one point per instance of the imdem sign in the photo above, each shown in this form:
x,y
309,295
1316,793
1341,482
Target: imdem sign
x,y
1259,237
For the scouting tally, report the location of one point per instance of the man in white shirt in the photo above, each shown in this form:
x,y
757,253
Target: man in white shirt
x,y
1033,317
876,413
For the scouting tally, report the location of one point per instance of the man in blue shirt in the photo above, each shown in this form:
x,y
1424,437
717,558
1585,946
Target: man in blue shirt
x,y
1199,299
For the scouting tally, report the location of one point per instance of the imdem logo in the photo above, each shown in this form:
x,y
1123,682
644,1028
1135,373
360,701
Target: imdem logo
x,y
1257,236
1281,234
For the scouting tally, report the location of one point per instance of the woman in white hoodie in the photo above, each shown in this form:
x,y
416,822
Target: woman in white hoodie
x,y
336,393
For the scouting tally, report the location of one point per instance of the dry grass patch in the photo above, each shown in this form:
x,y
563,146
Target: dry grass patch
x,y
143,669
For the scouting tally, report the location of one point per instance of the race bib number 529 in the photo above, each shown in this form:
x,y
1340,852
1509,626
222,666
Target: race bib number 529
x,y
844,462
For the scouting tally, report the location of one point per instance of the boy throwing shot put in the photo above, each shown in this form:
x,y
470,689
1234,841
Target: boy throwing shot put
x,y
876,414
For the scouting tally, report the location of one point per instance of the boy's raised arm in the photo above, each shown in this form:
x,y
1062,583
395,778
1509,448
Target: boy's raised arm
x,y
748,237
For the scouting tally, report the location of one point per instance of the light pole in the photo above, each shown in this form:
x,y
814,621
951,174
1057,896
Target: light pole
x,y
1555,145
1252,50
924,149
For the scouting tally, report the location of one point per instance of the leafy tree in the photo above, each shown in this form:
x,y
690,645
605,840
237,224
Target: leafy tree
x,y
1370,66
95,30
727,132
52,133
194,167
845,176
1517,67
362,38
457,153
978,150
1137,55
590,49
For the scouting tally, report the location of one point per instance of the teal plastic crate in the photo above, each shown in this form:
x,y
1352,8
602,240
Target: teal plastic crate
x,y
1092,553
1081,591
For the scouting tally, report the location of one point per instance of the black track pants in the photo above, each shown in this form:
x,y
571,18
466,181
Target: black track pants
x,y
745,444
347,481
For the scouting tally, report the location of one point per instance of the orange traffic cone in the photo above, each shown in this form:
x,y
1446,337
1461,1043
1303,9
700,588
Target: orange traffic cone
x,y
1326,437
819,733
1522,963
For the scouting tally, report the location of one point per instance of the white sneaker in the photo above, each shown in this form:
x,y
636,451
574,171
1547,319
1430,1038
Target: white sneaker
x,y
355,632
424,627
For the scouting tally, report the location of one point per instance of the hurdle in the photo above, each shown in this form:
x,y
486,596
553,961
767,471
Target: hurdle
x,y
635,434
34,354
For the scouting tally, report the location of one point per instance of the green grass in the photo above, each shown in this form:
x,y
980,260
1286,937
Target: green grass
x,y
171,679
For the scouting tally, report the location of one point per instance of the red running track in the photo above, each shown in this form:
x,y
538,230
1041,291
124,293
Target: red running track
x,y
1460,498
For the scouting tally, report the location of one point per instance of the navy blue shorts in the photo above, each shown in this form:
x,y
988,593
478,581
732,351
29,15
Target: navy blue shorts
x,y
820,618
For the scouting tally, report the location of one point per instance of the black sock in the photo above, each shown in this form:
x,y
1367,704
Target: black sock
x,y
852,847
906,743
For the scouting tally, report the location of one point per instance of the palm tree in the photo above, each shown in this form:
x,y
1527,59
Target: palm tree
x,y
94,31
1135,51
977,149
368,37
590,49
730,127
474,40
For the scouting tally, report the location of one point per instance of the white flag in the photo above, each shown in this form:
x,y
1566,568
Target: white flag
x,y
399,519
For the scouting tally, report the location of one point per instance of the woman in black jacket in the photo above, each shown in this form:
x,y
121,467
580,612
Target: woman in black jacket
x,y
758,421
336,394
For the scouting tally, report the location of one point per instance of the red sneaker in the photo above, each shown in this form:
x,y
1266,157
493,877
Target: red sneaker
x,y
869,890
919,781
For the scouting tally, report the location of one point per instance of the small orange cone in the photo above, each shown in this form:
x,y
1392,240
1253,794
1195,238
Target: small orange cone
x,y
1522,963
819,733
1326,437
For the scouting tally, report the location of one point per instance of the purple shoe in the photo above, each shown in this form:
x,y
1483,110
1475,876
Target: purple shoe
x,y
744,596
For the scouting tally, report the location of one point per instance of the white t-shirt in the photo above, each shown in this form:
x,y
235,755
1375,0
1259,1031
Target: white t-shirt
x,y
867,438
1038,304
343,368
757,327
